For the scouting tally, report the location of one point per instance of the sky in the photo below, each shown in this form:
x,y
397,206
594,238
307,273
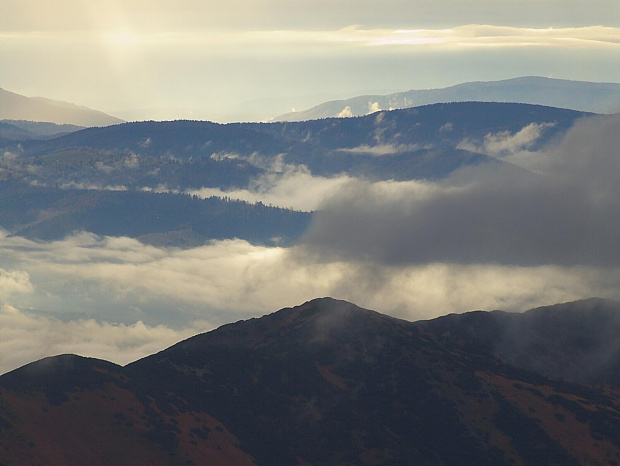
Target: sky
x,y
553,239
255,59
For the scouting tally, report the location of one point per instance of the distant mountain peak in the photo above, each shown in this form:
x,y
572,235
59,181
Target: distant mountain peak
x,y
18,107
561,93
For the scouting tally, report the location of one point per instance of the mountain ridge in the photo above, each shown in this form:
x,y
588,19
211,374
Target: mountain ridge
x,y
325,382
18,107
561,93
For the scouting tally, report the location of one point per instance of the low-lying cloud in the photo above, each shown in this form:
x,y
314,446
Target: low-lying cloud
x,y
380,149
27,337
568,215
118,299
505,143
293,187
486,238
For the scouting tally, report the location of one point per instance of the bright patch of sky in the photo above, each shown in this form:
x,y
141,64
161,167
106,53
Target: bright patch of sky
x,y
252,60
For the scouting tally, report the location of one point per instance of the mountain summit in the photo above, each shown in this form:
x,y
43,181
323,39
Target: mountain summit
x,y
326,382
17,107
562,93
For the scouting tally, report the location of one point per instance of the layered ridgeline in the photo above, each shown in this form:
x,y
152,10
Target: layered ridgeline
x,y
37,109
562,93
104,180
330,383
23,130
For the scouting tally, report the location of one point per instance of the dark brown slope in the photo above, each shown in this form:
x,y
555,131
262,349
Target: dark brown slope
x,y
73,410
322,383
578,341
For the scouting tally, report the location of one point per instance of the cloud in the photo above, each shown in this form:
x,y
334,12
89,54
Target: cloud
x,y
486,238
140,16
373,107
381,149
345,113
86,281
568,215
460,37
123,280
118,299
92,186
293,187
27,337
504,142
12,281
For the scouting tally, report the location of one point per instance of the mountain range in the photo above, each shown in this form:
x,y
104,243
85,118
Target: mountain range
x,y
418,143
37,109
561,93
95,179
328,382
23,130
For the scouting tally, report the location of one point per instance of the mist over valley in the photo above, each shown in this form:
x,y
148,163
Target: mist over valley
x,y
201,203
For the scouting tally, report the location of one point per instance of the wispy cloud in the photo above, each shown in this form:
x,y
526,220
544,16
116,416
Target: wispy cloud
x,y
380,149
458,37
511,147
293,188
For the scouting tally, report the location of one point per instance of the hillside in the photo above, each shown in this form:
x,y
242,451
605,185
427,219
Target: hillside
x,y
420,143
561,93
161,219
18,107
325,383
98,179
22,130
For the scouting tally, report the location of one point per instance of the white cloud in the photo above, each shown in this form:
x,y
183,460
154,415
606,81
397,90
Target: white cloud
x,y
289,187
133,161
373,107
459,37
93,186
102,167
14,281
381,149
26,337
157,296
505,143
345,113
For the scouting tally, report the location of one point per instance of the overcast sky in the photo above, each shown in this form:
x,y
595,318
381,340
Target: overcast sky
x,y
254,59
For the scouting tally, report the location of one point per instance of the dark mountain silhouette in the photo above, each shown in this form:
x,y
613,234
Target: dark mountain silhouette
x,y
328,383
576,341
17,107
561,93
22,130
420,143
54,186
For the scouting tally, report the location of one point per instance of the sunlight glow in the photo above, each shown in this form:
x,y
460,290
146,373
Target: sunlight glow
x,y
122,38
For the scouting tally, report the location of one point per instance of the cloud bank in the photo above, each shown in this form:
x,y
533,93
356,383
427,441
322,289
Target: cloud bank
x,y
482,239
458,37
27,337
568,215
117,299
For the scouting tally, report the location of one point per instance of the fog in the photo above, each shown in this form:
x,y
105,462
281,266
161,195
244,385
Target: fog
x,y
567,214
484,238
